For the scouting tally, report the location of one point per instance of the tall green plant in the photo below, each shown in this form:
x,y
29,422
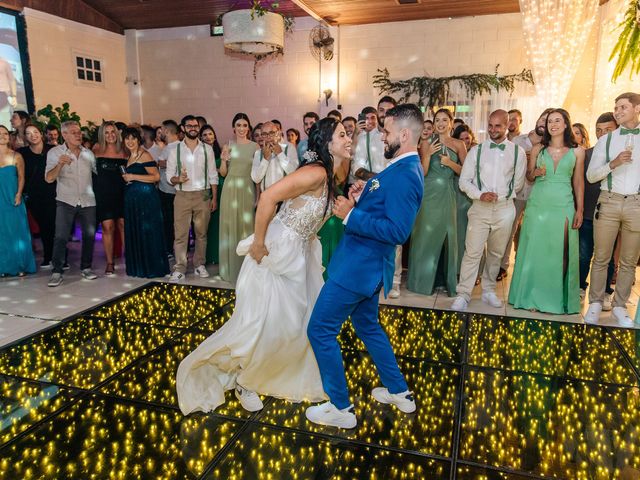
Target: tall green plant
x,y
58,115
627,48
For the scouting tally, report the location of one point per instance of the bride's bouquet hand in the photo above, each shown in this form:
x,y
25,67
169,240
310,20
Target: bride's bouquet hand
x,y
258,252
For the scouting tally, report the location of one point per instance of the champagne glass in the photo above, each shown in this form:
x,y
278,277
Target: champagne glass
x,y
123,170
444,153
541,165
629,143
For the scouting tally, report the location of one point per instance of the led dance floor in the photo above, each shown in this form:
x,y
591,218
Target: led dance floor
x,y
498,398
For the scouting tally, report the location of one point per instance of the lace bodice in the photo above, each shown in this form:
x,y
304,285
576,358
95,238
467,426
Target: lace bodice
x,y
305,214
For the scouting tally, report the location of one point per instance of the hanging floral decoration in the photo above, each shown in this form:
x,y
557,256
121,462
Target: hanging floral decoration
x,y
431,91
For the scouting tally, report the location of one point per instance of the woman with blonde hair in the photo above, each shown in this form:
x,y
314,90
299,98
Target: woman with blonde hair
x,y
108,187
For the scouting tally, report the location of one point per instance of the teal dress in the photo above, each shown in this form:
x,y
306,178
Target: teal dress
x,y
213,233
16,255
433,254
145,249
539,281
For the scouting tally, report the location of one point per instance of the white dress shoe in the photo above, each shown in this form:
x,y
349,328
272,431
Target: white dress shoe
x,y
593,313
327,414
491,299
404,401
459,304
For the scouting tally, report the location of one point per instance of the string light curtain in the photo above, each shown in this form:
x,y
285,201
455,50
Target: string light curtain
x,y
555,32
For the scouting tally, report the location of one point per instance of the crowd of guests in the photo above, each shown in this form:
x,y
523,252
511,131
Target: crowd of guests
x,y
564,206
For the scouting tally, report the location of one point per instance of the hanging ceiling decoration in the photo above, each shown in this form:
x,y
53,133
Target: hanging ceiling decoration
x,y
253,34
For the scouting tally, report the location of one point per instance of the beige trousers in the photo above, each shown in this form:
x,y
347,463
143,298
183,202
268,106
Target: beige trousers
x,y
615,213
489,225
189,206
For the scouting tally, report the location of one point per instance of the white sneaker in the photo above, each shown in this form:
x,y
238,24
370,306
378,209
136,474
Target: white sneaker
x,y
249,400
201,271
394,292
593,313
327,414
459,304
606,303
491,299
622,316
88,274
176,277
404,401
583,295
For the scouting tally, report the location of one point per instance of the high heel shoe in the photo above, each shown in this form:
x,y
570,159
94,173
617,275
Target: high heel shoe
x,y
110,270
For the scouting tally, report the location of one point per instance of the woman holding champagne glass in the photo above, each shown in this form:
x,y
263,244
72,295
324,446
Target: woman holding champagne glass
x,y
545,276
433,255
237,205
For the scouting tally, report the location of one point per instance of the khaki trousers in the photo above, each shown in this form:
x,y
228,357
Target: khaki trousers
x,y
520,206
614,213
189,206
489,224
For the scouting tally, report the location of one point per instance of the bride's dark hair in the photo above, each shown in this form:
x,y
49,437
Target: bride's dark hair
x,y
320,136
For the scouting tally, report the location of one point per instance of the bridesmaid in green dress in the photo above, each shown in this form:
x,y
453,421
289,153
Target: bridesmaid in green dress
x,y
208,136
237,205
433,254
545,276
463,202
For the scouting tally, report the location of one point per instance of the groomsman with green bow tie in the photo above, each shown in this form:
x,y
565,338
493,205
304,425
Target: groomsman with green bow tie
x,y
491,175
616,164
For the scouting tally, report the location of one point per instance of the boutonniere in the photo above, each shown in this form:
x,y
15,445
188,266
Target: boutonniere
x,y
375,184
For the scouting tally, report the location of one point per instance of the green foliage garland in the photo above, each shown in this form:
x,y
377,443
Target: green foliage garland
x,y
58,115
432,91
627,48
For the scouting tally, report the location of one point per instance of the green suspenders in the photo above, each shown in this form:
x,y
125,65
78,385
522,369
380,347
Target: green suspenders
x,y
513,178
608,159
369,152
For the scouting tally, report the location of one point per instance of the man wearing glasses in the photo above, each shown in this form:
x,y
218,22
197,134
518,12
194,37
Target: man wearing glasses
x,y
274,160
191,168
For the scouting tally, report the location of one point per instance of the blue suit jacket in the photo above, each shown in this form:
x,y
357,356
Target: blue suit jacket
x,y
382,219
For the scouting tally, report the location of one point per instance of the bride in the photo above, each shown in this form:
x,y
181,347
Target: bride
x,y
263,348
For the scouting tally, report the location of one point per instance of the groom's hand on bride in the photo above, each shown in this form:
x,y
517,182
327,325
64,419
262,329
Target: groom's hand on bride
x,y
342,206
258,252
356,189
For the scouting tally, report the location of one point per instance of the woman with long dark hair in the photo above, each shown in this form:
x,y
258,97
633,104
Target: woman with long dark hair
x,y
264,348
208,136
545,276
433,254
237,202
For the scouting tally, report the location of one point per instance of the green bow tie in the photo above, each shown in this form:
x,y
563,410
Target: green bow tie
x,y
629,131
501,146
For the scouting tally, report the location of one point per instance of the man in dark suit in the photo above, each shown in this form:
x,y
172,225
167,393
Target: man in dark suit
x,y
363,263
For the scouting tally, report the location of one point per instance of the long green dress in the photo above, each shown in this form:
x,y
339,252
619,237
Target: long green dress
x,y
237,210
330,235
213,233
435,232
538,281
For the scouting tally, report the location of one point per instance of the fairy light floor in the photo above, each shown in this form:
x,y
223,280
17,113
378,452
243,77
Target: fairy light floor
x,y
94,397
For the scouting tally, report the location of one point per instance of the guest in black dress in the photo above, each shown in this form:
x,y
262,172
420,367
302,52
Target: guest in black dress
x,y
40,196
109,188
145,253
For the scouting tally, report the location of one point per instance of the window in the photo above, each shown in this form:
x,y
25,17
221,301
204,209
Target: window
x,y
88,69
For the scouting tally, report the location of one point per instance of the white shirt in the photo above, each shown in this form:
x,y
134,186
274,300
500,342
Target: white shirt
x,y
194,163
391,162
75,182
525,142
625,178
496,170
154,150
267,172
375,153
164,185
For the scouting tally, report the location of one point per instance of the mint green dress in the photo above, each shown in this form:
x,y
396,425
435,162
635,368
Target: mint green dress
x,y
433,254
538,282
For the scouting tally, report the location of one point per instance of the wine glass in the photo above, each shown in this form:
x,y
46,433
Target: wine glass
x,y
123,170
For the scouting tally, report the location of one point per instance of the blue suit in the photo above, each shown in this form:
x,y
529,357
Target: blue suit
x,y
360,266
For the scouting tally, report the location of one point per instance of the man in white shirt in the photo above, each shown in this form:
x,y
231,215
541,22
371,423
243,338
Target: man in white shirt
x,y
191,168
167,191
526,141
615,163
71,166
308,120
274,160
492,174
368,157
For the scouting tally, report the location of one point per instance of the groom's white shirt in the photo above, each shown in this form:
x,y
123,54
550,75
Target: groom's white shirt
x,y
391,162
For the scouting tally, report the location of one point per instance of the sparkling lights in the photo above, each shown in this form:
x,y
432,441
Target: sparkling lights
x,y
95,398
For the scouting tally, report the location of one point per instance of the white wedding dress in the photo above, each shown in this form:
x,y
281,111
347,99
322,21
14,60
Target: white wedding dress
x,y
263,346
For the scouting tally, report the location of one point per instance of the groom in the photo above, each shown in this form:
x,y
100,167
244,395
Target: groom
x,y
362,264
